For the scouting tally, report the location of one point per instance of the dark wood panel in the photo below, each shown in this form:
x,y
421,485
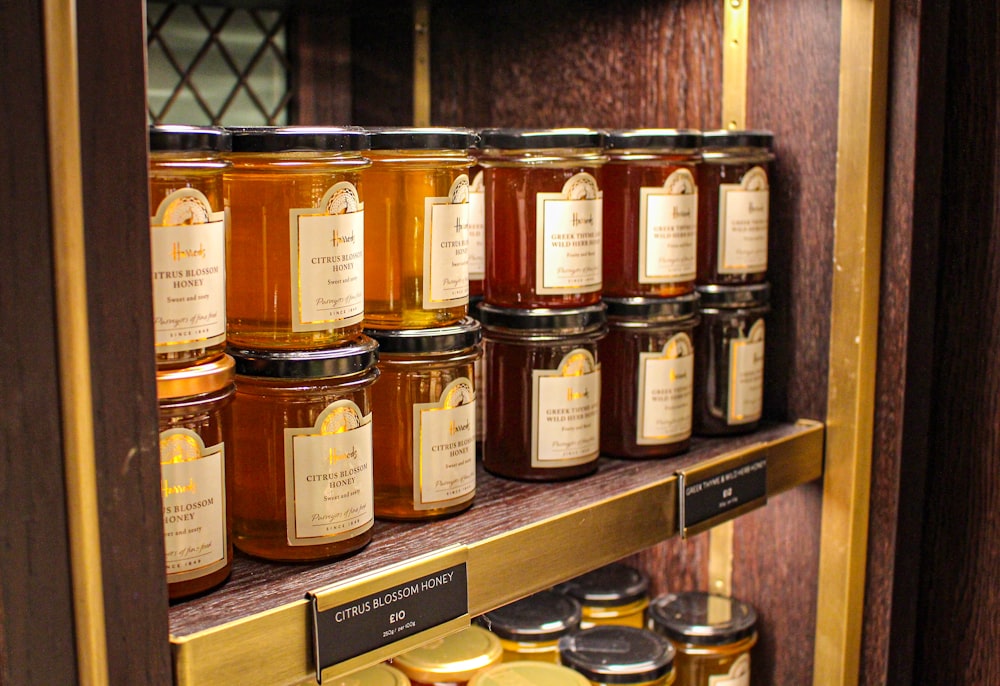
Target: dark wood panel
x,y
545,64
906,323
320,50
959,615
36,615
382,63
116,227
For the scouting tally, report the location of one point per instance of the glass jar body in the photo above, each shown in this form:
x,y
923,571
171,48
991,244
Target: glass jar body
x,y
696,665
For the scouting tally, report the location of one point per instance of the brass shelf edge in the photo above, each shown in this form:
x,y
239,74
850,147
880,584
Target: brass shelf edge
x,y
275,645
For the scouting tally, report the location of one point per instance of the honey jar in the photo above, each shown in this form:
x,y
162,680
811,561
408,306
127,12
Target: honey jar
x,y
378,675
528,673
615,594
297,226
610,654
452,660
187,243
302,451
530,628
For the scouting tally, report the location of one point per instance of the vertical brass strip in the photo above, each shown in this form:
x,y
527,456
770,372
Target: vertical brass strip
x,y
853,340
65,176
736,18
421,63
735,30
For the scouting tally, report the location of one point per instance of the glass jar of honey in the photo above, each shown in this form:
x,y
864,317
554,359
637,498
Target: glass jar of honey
x,y
302,451
734,206
651,212
187,243
296,246
712,634
608,655
416,232
542,410
378,675
650,352
544,216
425,466
615,594
530,628
529,673
196,474
729,365
452,660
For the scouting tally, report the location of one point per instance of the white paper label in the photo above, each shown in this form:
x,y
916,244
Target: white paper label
x,y
477,228
568,230
739,674
743,220
668,230
566,403
327,261
329,491
746,376
193,486
188,251
446,247
666,393
444,448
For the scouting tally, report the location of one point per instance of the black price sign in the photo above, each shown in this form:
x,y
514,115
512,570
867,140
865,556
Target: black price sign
x,y
712,494
353,626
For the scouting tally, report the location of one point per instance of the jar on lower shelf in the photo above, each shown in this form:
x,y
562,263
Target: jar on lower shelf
x,y
452,660
712,634
608,655
649,351
379,675
729,364
530,628
615,594
302,451
542,410
196,475
528,673
425,466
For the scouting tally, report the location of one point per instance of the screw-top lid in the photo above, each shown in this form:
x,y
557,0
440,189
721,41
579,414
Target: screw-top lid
x,y
610,654
651,139
298,138
734,297
197,379
527,139
465,334
614,584
543,319
529,673
181,138
421,138
701,618
653,309
747,138
379,675
350,358
544,616
456,657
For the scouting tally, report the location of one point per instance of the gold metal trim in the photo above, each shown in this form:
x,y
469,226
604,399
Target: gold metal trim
x,y
421,63
66,204
853,340
735,30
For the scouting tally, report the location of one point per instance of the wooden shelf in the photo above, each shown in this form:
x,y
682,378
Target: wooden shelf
x,y
258,621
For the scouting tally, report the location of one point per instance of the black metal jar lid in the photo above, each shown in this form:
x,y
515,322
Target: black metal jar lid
x,y
461,336
298,138
543,320
746,138
544,616
421,138
609,654
658,310
527,139
608,586
353,357
702,618
747,296
181,138
652,139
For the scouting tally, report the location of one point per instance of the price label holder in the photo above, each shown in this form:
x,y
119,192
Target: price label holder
x,y
719,490
375,617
